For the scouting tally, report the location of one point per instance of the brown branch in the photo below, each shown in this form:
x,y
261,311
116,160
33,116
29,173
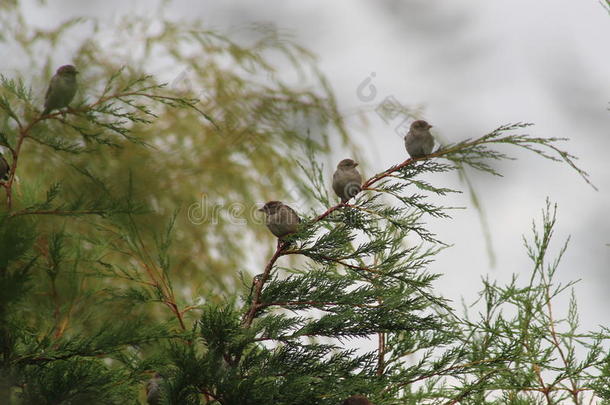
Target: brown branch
x,y
8,185
159,281
381,352
546,390
158,278
259,283
389,171
574,390
174,308
189,308
56,212
328,212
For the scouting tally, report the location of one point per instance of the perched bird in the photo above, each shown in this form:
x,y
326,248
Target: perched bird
x,y
153,390
4,168
419,141
280,218
357,400
347,181
61,89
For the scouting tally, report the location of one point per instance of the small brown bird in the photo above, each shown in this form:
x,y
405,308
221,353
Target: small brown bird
x,y
153,390
419,141
280,219
347,181
357,400
4,168
62,89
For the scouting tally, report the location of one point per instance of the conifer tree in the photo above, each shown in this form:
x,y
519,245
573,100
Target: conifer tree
x,y
107,285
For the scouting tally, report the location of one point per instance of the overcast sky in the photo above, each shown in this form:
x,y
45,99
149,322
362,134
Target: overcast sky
x,y
472,66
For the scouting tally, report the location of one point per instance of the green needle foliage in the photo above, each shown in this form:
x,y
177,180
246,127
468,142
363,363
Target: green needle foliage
x,y
108,274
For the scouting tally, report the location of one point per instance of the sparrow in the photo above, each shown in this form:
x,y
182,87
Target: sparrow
x,y
280,218
419,141
357,400
4,168
61,89
347,181
153,390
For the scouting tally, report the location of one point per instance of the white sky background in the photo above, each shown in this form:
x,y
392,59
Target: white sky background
x,y
473,66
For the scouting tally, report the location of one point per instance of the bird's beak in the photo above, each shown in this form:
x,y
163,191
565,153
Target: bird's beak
x,y
430,126
355,164
260,209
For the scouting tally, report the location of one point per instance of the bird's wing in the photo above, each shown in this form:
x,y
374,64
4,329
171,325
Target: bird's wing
x,y
336,186
295,214
151,385
357,177
46,96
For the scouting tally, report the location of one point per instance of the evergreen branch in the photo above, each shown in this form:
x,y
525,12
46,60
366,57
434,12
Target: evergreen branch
x,y
317,304
467,152
549,222
446,371
157,277
6,106
18,89
472,387
85,351
57,144
331,247
472,153
343,263
168,100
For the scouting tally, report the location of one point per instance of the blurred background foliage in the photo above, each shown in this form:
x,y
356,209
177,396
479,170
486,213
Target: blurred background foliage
x,y
214,168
